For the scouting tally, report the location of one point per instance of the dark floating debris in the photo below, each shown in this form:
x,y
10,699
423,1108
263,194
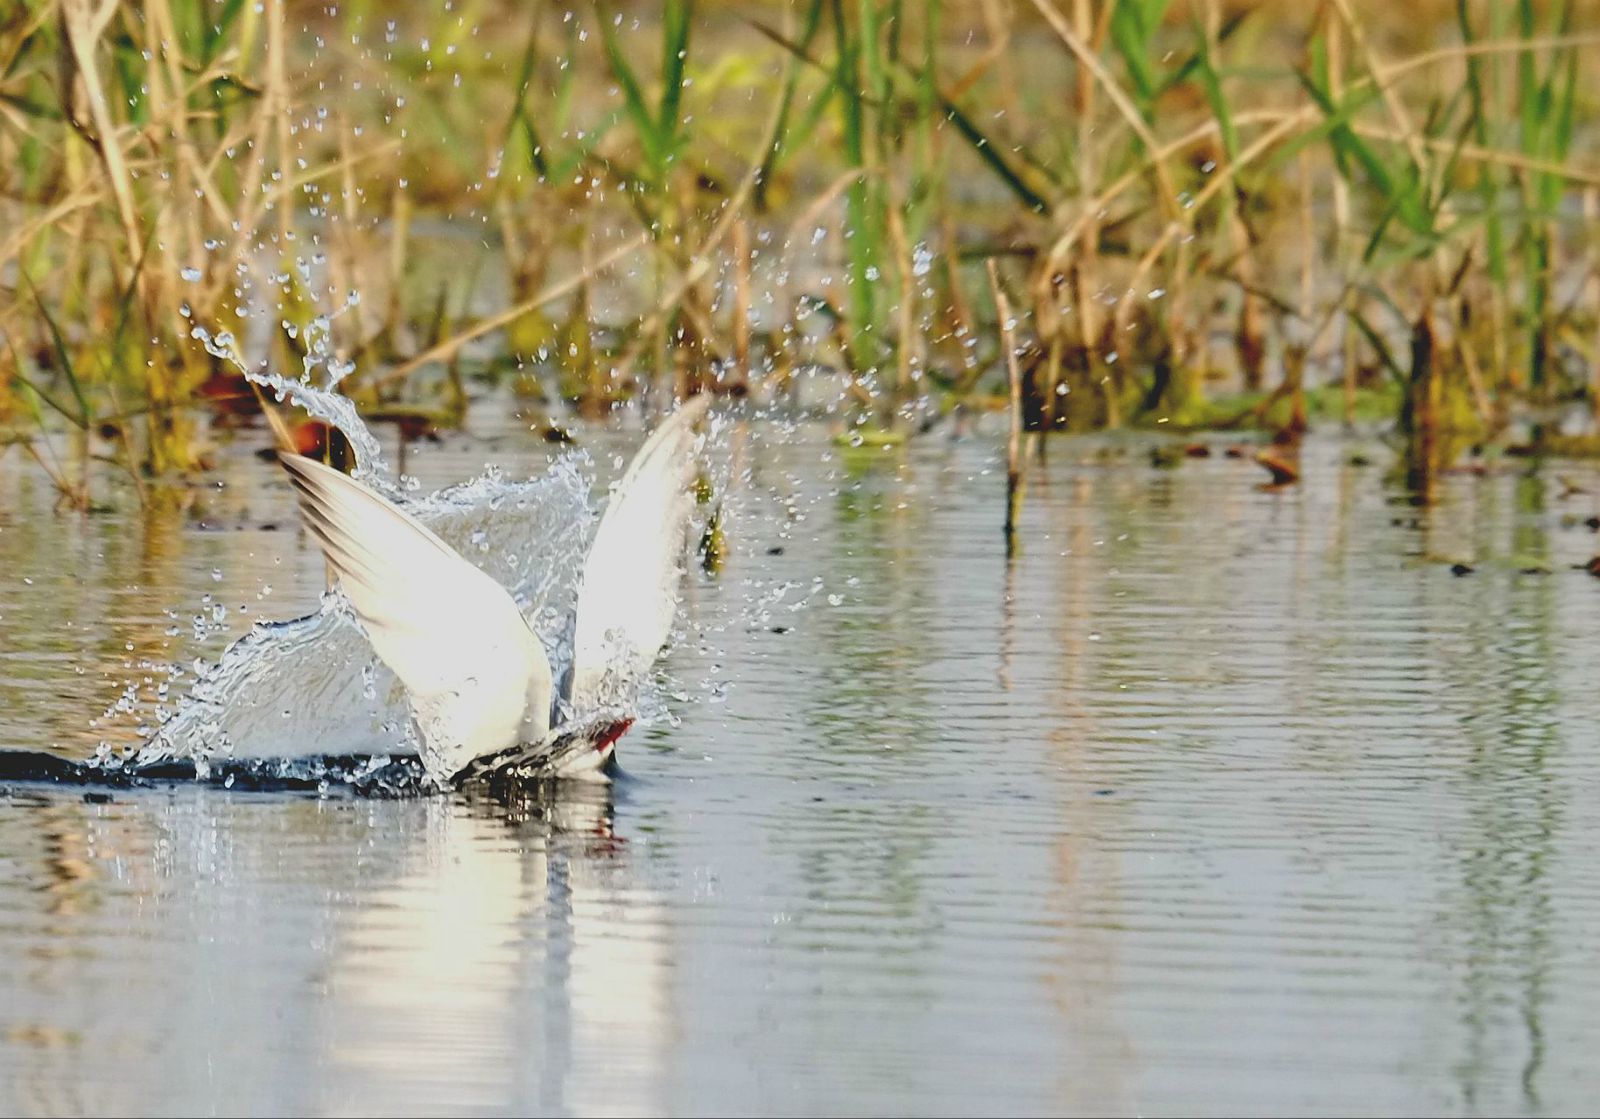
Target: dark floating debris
x,y
1284,470
513,775
1459,569
361,774
1165,457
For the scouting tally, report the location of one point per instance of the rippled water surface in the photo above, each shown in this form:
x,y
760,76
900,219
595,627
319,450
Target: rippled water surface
x,y
1215,800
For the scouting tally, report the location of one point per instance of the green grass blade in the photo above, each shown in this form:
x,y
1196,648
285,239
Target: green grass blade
x,y
63,355
1380,347
992,156
633,100
1211,82
1400,186
798,52
1133,27
1489,177
675,23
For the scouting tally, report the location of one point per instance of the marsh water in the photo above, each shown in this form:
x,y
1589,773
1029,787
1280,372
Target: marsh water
x,y
1213,800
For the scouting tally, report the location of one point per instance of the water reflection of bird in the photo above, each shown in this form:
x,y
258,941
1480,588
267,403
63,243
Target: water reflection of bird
x,y
497,951
508,956
477,678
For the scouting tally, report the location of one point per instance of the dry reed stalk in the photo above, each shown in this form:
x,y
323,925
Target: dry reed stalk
x,y
1089,59
1002,308
1088,212
277,110
344,262
704,255
811,214
1049,279
1591,221
1177,306
1047,374
84,25
582,327
1341,234
83,196
1475,153
448,347
270,126
1281,126
399,250
189,176
1421,415
167,114
1220,179
997,21
741,303
1391,100
907,344
1299,352
1249,336
782,338
1469,362
959,309
1086,269
168,443
9,368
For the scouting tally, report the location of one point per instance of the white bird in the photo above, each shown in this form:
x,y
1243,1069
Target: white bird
x,y
477,678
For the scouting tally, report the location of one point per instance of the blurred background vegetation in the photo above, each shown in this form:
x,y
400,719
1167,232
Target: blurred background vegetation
x,y
1199,214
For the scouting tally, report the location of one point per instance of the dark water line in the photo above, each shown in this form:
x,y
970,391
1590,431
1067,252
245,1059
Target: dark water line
x,y
359,774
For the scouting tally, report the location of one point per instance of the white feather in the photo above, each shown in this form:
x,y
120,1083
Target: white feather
x,y
477,678
629,589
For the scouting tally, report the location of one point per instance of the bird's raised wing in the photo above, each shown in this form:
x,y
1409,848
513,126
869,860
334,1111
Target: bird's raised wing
x,y
476,675
629,590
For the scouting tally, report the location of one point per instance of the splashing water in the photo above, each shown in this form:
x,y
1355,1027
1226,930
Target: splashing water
x,y
294,693
321,402
312,684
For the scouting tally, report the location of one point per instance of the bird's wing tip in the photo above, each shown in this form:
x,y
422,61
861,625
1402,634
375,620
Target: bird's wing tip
x,y
310,471
295,463
695,407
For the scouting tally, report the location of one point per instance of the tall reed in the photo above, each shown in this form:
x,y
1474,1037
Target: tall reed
x,y
1196,194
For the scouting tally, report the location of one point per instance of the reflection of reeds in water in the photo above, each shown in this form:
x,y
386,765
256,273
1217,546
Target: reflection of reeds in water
x,y
168,167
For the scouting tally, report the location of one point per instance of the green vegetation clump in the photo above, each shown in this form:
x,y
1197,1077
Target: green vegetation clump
x,y
1203,213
